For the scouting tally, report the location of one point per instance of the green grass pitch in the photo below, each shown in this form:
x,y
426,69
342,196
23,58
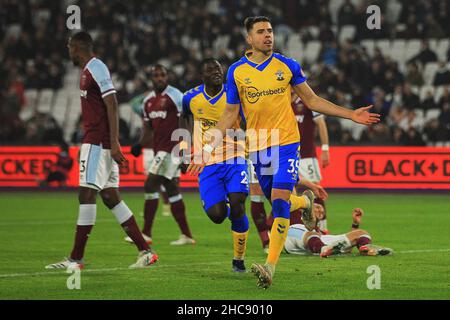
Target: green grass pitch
x,y
38,228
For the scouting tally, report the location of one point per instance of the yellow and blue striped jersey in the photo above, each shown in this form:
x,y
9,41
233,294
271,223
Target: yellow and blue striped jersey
x,y
207,111
264,94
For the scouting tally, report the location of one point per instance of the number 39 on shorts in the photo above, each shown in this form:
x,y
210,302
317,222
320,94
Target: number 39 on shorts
x,y
293,165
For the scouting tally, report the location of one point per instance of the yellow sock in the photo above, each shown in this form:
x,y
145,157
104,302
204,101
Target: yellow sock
x,y
239,244
298,202
278,237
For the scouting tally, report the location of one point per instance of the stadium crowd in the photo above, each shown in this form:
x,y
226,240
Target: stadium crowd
x,y
132,35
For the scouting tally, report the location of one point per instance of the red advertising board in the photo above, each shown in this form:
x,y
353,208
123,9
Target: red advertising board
x,y
351,167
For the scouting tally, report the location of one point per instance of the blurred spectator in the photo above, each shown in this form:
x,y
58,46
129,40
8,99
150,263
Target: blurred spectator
x,y
428,102
425,55
413,138
347,14
445,98
132,35
410,99
442,76
58,173
413,75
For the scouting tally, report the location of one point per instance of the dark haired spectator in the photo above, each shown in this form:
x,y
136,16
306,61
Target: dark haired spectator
x,y
410,99
425,55
442,76
428,103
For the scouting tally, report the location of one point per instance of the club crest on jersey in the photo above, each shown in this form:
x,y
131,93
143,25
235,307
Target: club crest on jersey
x,y
200,111
247,81
280,75
83,93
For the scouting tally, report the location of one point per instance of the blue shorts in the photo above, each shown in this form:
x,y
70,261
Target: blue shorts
x,y
218,180
277,167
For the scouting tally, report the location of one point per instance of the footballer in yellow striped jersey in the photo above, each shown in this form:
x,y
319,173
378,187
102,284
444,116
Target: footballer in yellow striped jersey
x,y
223,180
260,86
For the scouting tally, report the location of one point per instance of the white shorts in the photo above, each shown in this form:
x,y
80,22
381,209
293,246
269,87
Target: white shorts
x,y
148,156
253,178
98,170
309,169
163,164
295,240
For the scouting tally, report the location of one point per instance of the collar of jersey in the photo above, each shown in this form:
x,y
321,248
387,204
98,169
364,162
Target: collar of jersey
x,y
87,63
214,99
261,66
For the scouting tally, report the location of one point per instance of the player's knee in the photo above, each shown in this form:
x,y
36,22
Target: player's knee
x,y
237,210
171,187
151,184
362,232
87,195
110,199
218,213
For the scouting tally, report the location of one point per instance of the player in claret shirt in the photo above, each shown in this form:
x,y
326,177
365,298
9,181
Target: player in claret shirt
x,y
100,155
309,168
161,112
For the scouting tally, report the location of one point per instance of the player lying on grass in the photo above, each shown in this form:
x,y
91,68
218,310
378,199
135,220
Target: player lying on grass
x,y
301,241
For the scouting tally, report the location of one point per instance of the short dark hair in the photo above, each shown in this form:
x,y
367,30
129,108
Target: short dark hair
x,y
84,38
250,21
205,62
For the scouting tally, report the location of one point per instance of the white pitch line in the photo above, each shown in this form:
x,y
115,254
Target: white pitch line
x,y
56,222
159,266
423,251
62,272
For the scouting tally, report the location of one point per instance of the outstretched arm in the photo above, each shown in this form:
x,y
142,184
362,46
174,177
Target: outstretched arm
x,y
356,215
318,104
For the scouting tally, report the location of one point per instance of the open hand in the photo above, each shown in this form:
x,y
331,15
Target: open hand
x,y
363,116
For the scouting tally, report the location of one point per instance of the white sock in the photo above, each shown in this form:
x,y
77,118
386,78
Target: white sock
x,y
122,212
87,214
151,196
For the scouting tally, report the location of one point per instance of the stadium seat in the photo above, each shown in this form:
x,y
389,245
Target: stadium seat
x,y
312,51
347,32
221,43
333,8
420,115
438,93
31,97
429,72
45,101
315,31
295,47
369,45
412,48
385,46
424,90
432,114
442,49
398,50
355,129
59,107
433,44
72,77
